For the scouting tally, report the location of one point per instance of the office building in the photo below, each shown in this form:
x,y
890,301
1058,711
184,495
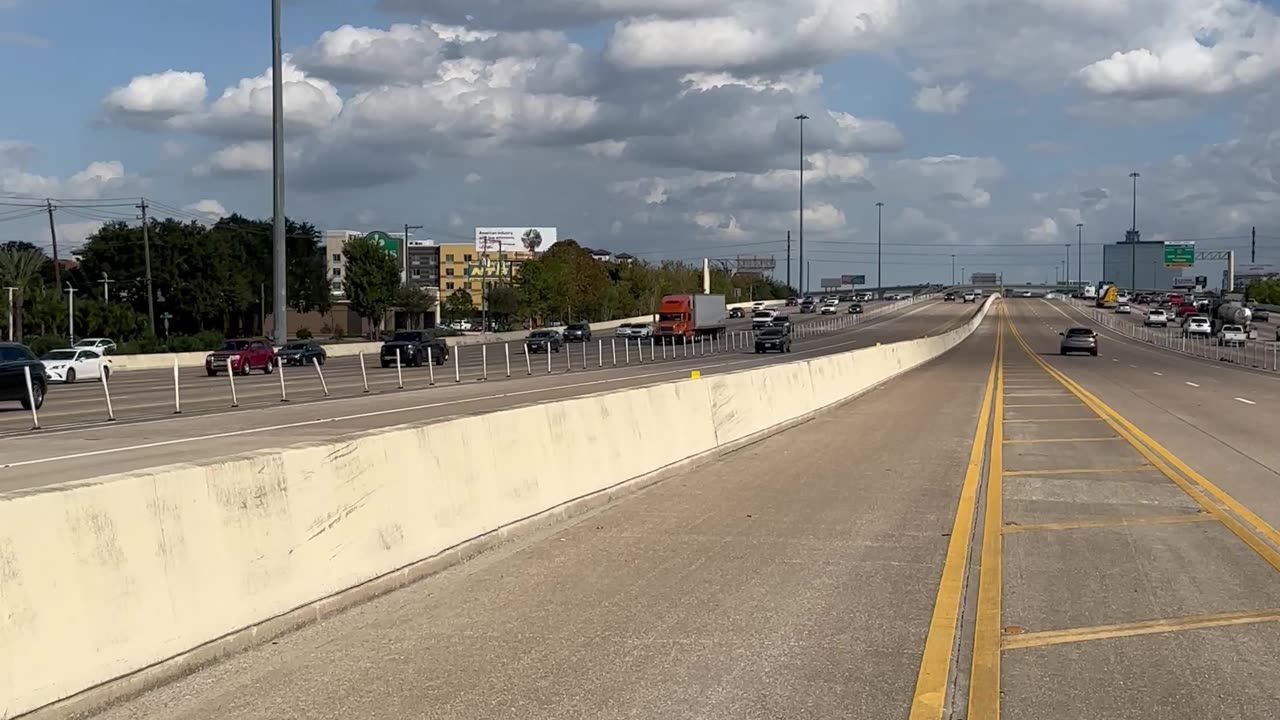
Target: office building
x,y
462,266
1137,265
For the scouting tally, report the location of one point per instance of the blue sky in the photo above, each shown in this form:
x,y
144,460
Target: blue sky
x,y
667,128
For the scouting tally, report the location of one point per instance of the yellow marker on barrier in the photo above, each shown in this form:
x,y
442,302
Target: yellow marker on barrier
x,y
877,344
695,375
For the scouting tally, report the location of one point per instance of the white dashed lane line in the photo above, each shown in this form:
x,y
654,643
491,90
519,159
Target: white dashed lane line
x,y
1192,384
1157,373
1246,402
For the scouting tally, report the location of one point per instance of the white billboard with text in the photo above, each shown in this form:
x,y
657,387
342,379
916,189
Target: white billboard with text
x,y
515,239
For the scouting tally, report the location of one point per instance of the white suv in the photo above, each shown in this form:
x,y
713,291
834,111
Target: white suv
x,y
1156,318
970,297
1197,325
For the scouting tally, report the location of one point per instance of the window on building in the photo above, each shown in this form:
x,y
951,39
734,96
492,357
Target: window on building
x,y
448,271
448,286
337,272
417,273
337,257
448,258
466,258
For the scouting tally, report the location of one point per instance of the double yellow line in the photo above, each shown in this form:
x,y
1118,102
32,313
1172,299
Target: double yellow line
x,y
935,667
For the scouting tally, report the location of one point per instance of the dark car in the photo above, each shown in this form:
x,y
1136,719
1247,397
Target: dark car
x,y
782,321
242,357
1079,339
414,347
13,380
949,297
809,305
544,341
773,338
855,309
736,313
577,332
302,352
793,301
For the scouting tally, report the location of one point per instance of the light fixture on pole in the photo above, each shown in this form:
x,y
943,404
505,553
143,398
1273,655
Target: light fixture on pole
x,y
803,279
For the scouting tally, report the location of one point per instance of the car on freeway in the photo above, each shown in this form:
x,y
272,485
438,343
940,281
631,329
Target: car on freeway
x,y
855,309
1260,314
1156,318
70,364
808,305
828,309
773,339
577,332
1123,308
949,297
757,305
412,347
13,378
1143,299
760,318
104,346
793,301
736,313
544,341
640,330
781,321
1232,336
623,330
1197,326
302,352
1079,340
241,356
970,297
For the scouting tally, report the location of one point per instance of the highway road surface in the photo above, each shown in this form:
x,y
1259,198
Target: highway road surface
x,y
93,448
1003,533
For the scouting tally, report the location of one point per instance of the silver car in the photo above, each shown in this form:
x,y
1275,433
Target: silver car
x,y
1079,340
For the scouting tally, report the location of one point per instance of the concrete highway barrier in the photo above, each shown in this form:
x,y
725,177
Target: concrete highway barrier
x,y
111,585
159,361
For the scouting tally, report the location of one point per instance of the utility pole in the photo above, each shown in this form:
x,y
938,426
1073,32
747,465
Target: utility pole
x,y
279,275
789,259
1133,238
1080,254
879,246
146,254
1253,245
803,287
106,287
71,314
53,239
953,268
1066,275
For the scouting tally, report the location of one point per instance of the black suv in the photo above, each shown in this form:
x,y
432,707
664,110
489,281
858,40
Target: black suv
x,y
544,341
773,338
413,346
13,381
303,352
577,332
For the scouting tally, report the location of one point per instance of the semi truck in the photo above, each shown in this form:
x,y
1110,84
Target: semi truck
x,y
690,316
1108,298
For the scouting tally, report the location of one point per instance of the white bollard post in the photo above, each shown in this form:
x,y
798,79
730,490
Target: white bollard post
x,y
548,358
231,376
684,344
399,371
585,362
31,398
431,369
652,350
626,347
177,389
613,347
664,348
364,374
457,365
280,371
600,352
484,362
568,357
528,366
324,385
506,348
106,391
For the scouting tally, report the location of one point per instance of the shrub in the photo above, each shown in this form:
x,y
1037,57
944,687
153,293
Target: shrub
x,y
304,334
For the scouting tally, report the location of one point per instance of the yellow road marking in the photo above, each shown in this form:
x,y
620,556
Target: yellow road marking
x,y
929,700
1055,393
1157,455
1105,523
1034,441
1079,471
984,672
1045,405
1052,420
1144,627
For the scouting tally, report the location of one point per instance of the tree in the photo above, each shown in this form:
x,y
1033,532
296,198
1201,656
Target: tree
x,y
372,279
458,306
503,302
414,301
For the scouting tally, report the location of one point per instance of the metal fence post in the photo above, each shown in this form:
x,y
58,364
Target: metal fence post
x,y
431,368
323,385
506,348
231,376
399,371
284,397
600,353
103,372
364,374
528,366
457,365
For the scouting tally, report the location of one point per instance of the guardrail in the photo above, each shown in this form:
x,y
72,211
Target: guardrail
x,y
1258,354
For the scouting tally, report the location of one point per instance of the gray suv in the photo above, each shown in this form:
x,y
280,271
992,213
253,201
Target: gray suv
x,y
1079,340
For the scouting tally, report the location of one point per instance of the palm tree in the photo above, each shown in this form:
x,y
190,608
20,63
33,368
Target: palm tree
x,y
20,268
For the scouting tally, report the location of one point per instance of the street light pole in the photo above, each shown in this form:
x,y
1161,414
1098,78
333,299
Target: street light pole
x,y
1080,254
1066,276
803,287
953,268
879,243
279,274
1133,237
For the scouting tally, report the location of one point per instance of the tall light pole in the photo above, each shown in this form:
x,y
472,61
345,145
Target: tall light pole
x,y
1080,254
1066,278
879,243
953,268
1133,237
279,276
803,287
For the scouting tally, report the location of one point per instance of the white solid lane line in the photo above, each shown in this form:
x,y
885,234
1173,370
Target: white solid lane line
x,y
1192,384
1246,402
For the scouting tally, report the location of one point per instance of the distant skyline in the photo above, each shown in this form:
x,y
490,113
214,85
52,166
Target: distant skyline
x,y
664,128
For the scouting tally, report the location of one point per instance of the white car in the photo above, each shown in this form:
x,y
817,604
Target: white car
x,y
641,330
1197,326
1156,318
757,305
970,297
1123,309
761,318
829,309
71,364
104,346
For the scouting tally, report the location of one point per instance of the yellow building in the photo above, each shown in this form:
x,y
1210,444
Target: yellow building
x,y
464,267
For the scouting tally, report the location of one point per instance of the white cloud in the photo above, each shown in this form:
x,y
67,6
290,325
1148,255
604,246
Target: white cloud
x,y
162,95
246,158
210,209
94,181
1045,231
72,235
939,99
953,179
821,217
473,178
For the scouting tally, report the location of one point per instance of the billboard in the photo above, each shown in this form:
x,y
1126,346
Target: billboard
x,y
515,239
853,279
830,283
756,263
489,268
388,243
1184,283
1179,254
1256,269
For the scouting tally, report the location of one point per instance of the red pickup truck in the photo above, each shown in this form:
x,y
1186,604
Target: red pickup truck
x,y
242,356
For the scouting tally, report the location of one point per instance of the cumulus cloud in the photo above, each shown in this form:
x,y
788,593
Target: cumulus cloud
x,y
939,99
953,179
1044,231
209,209
94,181
158,96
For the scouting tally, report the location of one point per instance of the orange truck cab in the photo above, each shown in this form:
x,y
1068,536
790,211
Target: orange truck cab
x,y
689,316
